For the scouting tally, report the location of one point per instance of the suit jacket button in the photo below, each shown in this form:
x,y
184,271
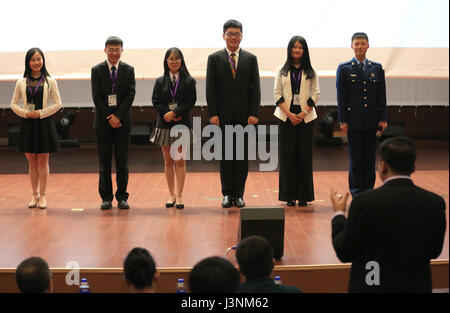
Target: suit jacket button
x,y
365,82
348,109
365,89
365,97
365,105
353,81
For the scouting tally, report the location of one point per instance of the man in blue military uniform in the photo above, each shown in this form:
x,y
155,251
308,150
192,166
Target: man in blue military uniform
x,y
361,95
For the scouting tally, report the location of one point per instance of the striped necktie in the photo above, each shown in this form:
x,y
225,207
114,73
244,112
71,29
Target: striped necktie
x,y
233,64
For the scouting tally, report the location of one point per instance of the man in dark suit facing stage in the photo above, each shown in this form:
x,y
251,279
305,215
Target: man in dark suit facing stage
x,y
392,232
233,95
113,90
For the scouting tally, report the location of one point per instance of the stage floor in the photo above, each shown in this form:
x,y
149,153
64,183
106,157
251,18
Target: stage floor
x,y
73,228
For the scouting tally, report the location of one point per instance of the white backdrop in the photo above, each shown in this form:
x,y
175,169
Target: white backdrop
x,y
85,24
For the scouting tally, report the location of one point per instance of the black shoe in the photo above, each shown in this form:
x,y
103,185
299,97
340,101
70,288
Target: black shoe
x,y
106,205
302,203
239,202
291,203
123,205
170,204
179,206
227,202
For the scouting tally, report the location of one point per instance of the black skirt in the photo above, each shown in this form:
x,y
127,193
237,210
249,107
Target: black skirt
x,y
38,136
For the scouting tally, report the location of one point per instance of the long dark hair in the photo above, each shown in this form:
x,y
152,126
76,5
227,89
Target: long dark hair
x,y
183,69
305,61
28,57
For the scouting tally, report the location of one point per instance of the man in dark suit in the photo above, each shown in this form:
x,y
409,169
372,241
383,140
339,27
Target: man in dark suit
x,y
392,232
233,95
113,90
361,95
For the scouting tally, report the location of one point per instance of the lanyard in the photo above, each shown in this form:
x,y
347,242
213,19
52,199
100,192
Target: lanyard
x,y
297,81
298,77
33,94
174,92
114,79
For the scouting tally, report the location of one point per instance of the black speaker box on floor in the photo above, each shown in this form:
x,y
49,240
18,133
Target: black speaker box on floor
x,y
265,222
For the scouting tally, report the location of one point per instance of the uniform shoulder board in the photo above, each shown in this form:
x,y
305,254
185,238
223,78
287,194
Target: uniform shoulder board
x,y
346,63
374,63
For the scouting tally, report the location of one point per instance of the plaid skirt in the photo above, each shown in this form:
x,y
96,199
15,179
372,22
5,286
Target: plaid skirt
x,y
161,136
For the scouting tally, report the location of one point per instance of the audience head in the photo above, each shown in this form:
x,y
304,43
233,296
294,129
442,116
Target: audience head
x,y
174,60
140,270
35,61
397,156
255,257
34,276
214,275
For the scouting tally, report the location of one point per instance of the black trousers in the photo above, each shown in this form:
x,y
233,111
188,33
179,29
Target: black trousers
x,y
362,145
109,139
233,171
295,146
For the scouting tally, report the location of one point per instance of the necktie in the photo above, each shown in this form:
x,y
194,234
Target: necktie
x,y
174,80
113,77
362,67
233,64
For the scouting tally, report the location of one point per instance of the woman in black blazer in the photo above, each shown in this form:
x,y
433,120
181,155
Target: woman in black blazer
x,y
174,95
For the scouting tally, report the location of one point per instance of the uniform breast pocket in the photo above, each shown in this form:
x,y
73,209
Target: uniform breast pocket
x,y
374,78
353,78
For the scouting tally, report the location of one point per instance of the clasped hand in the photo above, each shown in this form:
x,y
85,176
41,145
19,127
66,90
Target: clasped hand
x,y
33,114
170,116
296,118
114,121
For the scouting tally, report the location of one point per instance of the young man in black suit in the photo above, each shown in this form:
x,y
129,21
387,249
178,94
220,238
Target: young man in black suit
x,y
392,232
233,95
113,90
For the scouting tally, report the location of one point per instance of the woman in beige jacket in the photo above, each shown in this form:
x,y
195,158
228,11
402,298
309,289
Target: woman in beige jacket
x,y
37,135
296,94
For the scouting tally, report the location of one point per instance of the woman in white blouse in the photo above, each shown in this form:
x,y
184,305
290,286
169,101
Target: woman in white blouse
x,y
296,94
37,135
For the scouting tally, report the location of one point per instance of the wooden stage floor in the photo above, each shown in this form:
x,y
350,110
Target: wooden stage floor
x,y
73,228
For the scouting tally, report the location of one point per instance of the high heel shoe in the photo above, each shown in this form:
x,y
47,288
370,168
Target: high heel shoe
x,y
34,201
179,203
42,203
171,202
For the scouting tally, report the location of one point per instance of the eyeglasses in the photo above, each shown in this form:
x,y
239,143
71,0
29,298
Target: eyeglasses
x,y
173,60
237,35
114,50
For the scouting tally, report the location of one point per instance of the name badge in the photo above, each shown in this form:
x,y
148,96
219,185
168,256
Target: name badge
x,y
296,99
112,100
30,106
173,106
